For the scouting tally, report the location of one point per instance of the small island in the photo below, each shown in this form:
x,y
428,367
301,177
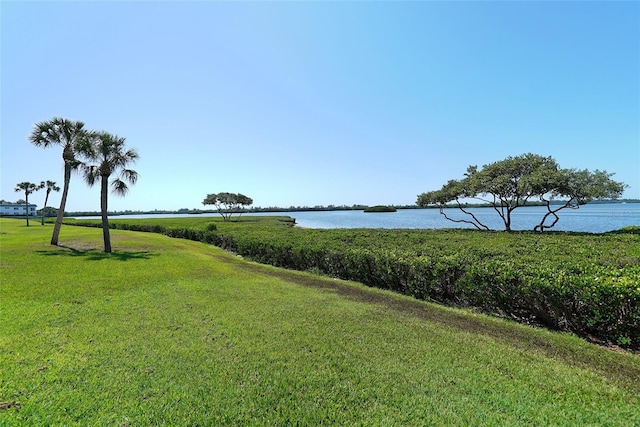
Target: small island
x,y
380,208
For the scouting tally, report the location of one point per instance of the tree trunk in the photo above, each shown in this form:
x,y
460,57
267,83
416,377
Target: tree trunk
x,y
63,202
26,204
104,191
507,222
541,227
46,198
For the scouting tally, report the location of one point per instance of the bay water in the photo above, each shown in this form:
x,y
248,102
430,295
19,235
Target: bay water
x,y
592,218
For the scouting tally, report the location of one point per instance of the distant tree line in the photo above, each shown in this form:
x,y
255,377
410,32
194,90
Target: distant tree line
x,y
318,208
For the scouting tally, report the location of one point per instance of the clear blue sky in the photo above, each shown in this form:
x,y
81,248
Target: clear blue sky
x,y
318,103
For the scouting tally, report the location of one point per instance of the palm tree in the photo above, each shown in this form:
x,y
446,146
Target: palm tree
x,y
28,188
108,151
69,134
50,186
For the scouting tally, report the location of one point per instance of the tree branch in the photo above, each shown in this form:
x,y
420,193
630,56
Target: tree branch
x,y
476,223
541,227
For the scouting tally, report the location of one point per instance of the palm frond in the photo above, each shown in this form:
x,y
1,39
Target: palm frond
x,y
76,164
132,155
27,187
90,174
57,131
44,135
51,186
85,145
129,175
119,187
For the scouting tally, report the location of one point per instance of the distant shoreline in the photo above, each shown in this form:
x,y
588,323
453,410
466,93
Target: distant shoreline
x,y
318,208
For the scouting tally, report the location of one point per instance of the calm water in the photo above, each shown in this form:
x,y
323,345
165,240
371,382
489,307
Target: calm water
x,y
589,218
596,218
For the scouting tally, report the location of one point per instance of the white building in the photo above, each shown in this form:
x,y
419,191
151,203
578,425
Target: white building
x,y
15,209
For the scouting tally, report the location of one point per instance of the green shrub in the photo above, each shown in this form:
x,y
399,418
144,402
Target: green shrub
x,y
630,229
380,208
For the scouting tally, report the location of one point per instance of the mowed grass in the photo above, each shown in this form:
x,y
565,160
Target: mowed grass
x,y
173,332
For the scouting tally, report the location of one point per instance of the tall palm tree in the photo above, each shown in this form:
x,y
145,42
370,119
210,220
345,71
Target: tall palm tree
x,y
69,134
28,188
50,186
112,158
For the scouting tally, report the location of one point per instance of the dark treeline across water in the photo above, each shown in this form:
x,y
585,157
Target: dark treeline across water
x,y
318,208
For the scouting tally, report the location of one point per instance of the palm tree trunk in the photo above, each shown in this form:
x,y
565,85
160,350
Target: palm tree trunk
x,y
104,191
63,202
46,198
26,205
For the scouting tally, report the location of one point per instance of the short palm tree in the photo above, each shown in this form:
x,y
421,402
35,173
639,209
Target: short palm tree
x,y
69,134
50,186
112,158
28,188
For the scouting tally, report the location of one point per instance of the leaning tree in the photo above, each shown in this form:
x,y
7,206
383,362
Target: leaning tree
x,y
508,184
228,203
111,157
69,134
28,188
50,186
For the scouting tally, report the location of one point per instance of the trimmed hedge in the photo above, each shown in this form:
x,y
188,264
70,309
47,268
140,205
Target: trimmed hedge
x,y
576,299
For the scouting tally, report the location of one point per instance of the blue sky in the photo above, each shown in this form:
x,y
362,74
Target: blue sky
x,y
318,103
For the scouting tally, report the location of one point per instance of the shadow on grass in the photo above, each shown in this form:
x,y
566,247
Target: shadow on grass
x,y
96,255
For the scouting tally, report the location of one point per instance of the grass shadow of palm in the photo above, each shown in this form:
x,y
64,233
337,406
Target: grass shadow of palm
x,y
96,255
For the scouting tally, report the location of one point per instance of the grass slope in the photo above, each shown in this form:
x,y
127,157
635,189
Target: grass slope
x,y
172,332
582,283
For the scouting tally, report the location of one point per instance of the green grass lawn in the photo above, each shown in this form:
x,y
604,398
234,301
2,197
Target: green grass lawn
x,y
173,332
582,283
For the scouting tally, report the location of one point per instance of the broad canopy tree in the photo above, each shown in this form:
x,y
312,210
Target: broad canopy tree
x,y
513,182
28,188
228,203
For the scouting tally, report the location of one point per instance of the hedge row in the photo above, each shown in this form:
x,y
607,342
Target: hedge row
x,y
205,235
606,310
591,288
